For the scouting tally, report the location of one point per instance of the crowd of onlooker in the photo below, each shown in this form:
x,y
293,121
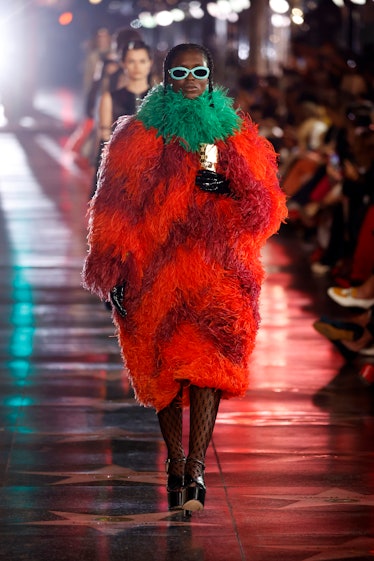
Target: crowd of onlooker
x,y
319,114
321,121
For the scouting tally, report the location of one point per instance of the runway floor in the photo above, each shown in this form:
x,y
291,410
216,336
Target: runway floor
x,y
290,474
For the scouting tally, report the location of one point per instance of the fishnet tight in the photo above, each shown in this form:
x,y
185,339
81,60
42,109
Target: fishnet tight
x,y
171,424
204,403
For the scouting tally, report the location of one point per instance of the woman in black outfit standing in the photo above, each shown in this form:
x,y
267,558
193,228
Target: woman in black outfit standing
x,y
132,87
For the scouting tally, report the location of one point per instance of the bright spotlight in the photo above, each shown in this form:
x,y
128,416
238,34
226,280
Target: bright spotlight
x,y
212,9
178,15
196,12
147,20
297,16
164,18
279,6
224,6
278,20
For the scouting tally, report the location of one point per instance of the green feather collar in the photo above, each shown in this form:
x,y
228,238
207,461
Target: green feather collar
x,y
205,119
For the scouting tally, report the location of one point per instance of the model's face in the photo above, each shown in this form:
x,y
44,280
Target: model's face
x,y
190,86
137,64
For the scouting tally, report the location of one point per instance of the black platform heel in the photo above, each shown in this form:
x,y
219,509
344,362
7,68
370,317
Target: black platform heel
x,y
175,486
195,489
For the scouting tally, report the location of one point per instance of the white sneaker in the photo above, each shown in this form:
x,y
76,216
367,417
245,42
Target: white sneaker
x,y
346,297
369,351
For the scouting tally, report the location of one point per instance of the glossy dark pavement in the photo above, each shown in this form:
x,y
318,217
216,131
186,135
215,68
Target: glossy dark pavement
x,y
290,471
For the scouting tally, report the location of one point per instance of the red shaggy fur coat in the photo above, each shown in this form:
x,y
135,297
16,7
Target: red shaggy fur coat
x,y
190,259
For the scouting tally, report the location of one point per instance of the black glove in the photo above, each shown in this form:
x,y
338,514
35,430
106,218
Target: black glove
x,y
213,182
116,297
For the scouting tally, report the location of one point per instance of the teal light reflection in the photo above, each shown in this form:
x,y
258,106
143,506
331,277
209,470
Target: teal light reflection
x,y
22,313
21,343
20,370
18,401
25,430
18,241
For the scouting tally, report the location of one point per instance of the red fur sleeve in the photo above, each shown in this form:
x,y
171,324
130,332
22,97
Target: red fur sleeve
x,y
111,243
249,162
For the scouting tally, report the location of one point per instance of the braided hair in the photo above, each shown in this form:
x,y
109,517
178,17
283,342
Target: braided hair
x,y
182,48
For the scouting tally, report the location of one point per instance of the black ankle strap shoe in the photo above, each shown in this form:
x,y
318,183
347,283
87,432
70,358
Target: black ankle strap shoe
x,y
175,485
195,488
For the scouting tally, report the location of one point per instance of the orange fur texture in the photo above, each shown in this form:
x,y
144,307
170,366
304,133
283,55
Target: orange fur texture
x,y
190,259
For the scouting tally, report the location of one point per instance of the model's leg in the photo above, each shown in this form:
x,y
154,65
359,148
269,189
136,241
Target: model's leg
x,y
204,403
171,424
